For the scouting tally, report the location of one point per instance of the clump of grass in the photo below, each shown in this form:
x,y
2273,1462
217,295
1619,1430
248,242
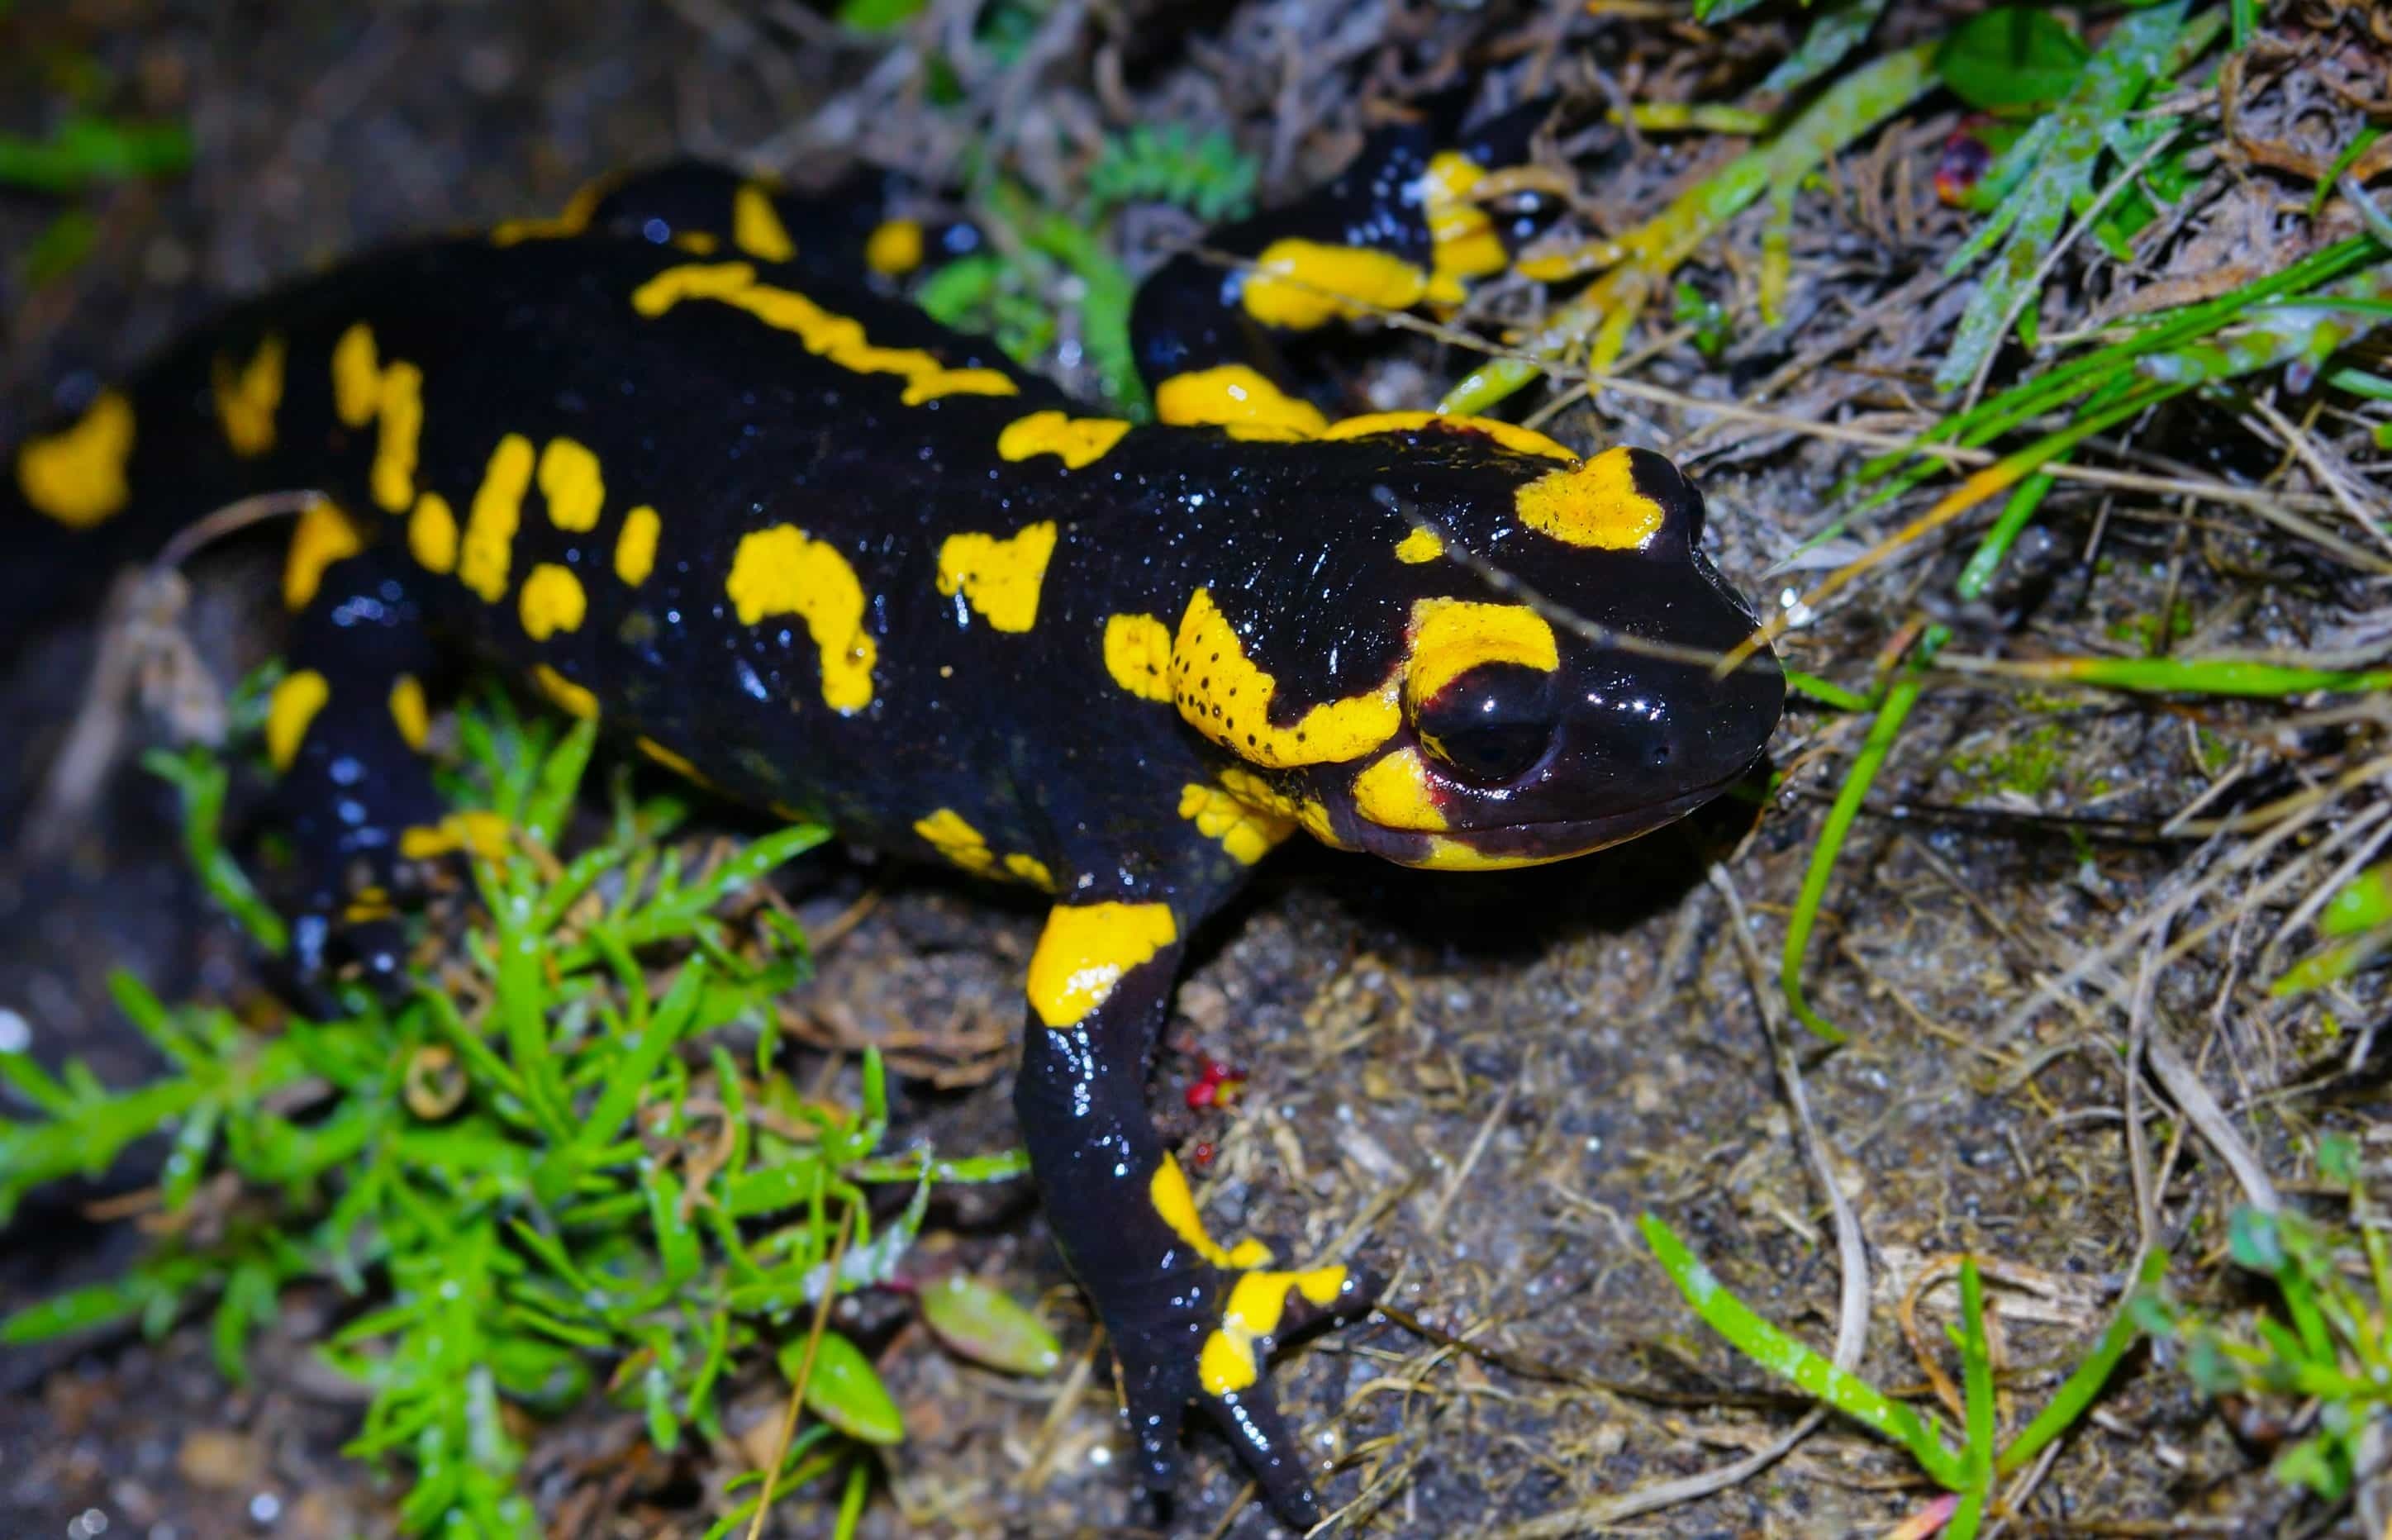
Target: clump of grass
x,y
1982,1457
544,1173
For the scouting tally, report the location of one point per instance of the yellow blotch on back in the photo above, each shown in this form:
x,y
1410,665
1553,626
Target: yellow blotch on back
x,y
488,546
894,247
571,220
1595,504
952,834
1247,832
1137,655
756,227
432,534
1168,1192
568,696
636,548
1420,545
1085,950
1079,440
1236,396
323,536
288,711
780,570
248,396
676,763
571,484
1301,284
839,339
486,834
1511,435
77,476
1450,637
1227,698
999,577
364,390
552,600
409,713
1228,1362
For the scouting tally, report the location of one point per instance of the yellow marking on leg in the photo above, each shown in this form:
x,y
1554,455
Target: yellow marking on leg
x,y
491,524
1301,284
1258,794
77,475
248,396
1079,440
1167,1191
1085,950
288,711
780,570
1595,504
671,760
371,904
1030,869
432,534
1235,396
839,339
572,485
1511,435
552,600
365,390
323,536
1420,545
894,247
1450,637
485,834
1247,832
998,577
568,696
1461,235
1230,1361
409,712
636,548
1137,655
1227,699
1392,792
756,227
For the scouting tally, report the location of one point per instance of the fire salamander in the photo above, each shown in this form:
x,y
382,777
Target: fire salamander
x,y
671,458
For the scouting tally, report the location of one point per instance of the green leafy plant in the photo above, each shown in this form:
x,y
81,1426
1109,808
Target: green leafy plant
x,y
1205,174
544,1174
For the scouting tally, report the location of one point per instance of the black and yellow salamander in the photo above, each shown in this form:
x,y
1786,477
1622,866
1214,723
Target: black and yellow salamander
x,y
666,459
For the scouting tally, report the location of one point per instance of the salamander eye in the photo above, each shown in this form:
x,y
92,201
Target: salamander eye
x,y
1491,725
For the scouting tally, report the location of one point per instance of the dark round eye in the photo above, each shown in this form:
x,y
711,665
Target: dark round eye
x,y
1492,724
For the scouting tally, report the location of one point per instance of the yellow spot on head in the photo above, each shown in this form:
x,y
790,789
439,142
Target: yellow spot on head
x,y
635,549
1511,435
1393,793
1453,855
1085,950
1137,655
247,398
1079,440
324,535
552,600
1453,636
1595,504
1235,396
1301,284
570,483
780,570
838,338
1227,698
998,577
756,227
288,711
894,247
77,476
1420,545
1247,832
432,534
1266,799
490,524
1167,1191
568,696
409,712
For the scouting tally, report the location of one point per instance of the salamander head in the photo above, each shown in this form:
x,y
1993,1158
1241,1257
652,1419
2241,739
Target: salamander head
x,y
1447,720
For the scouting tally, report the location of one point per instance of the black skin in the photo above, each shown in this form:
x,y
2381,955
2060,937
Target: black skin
x,y
729,426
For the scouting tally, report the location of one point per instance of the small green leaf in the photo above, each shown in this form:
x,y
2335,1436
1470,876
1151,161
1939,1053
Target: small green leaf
x,y
2364,903
2253,1240
2014,59
845,1391
985,1325
874,16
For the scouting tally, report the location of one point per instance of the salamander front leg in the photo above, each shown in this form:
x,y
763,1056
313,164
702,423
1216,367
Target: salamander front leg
x,y
1190,1321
